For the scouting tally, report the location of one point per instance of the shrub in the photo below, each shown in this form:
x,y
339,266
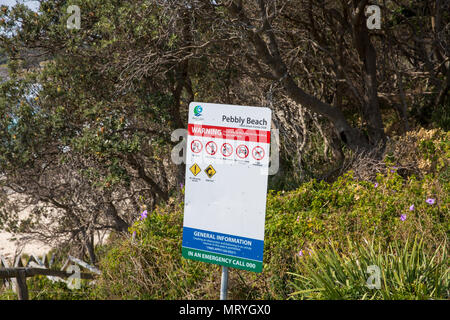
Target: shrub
x,y
41,288
406,272
150,266
390,209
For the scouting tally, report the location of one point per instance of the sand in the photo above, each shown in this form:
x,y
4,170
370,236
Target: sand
x,y
12,244
9,247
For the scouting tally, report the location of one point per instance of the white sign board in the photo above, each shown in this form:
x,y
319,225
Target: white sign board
x,y
227,163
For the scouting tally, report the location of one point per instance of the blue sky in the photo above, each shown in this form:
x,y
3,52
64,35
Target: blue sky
x,y
34,5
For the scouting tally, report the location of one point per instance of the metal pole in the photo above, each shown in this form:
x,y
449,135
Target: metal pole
x,y
224,284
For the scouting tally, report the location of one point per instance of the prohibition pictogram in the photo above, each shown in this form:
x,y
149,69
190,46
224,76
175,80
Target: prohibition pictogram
x,y
226,149
196,146
211,148
242,151
258,153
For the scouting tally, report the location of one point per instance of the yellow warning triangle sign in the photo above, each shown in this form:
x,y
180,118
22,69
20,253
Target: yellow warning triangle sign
x,y
195,169
210,171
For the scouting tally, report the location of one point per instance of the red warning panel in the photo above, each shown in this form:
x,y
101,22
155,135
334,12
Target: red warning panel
x,y
258,153
219,132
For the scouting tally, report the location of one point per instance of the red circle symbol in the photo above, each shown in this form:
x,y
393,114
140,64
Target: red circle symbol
x,y
226,149
258,153
211,148
196,146
242,151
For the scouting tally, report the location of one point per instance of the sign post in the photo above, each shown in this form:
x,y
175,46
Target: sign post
x,y
227,164
224,284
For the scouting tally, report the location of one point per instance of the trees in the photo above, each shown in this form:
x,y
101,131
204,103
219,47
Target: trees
x,y
87,115
74,136
333,38
268,52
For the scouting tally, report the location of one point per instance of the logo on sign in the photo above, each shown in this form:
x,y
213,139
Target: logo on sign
x,y
198,111
242,151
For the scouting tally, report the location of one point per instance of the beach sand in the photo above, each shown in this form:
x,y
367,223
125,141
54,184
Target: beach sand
x,y
10,244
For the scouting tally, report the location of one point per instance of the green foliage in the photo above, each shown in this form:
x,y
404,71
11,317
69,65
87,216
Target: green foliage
x,y
72,100
109,95
441,117
329,220
407,271
333,219
41,288
154,262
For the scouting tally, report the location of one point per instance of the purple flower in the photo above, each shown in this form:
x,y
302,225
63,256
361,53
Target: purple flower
x,y
300,253
144,215
376,185
411,208
430,201
181,186
403,217
298,218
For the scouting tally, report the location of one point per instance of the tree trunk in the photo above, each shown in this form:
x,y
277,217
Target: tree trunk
x,y
142,174
89,243
370,110
352,137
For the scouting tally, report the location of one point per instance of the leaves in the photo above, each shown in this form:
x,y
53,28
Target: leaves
x,y
408,271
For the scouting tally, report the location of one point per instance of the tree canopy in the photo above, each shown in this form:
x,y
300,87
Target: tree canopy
x,y
86,115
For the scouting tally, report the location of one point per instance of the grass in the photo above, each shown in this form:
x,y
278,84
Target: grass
x,y
366,272
330,220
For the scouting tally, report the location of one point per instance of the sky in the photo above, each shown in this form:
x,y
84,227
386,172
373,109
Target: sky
x,y
34,5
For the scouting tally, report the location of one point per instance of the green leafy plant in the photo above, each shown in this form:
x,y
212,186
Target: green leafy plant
x,y
406,272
